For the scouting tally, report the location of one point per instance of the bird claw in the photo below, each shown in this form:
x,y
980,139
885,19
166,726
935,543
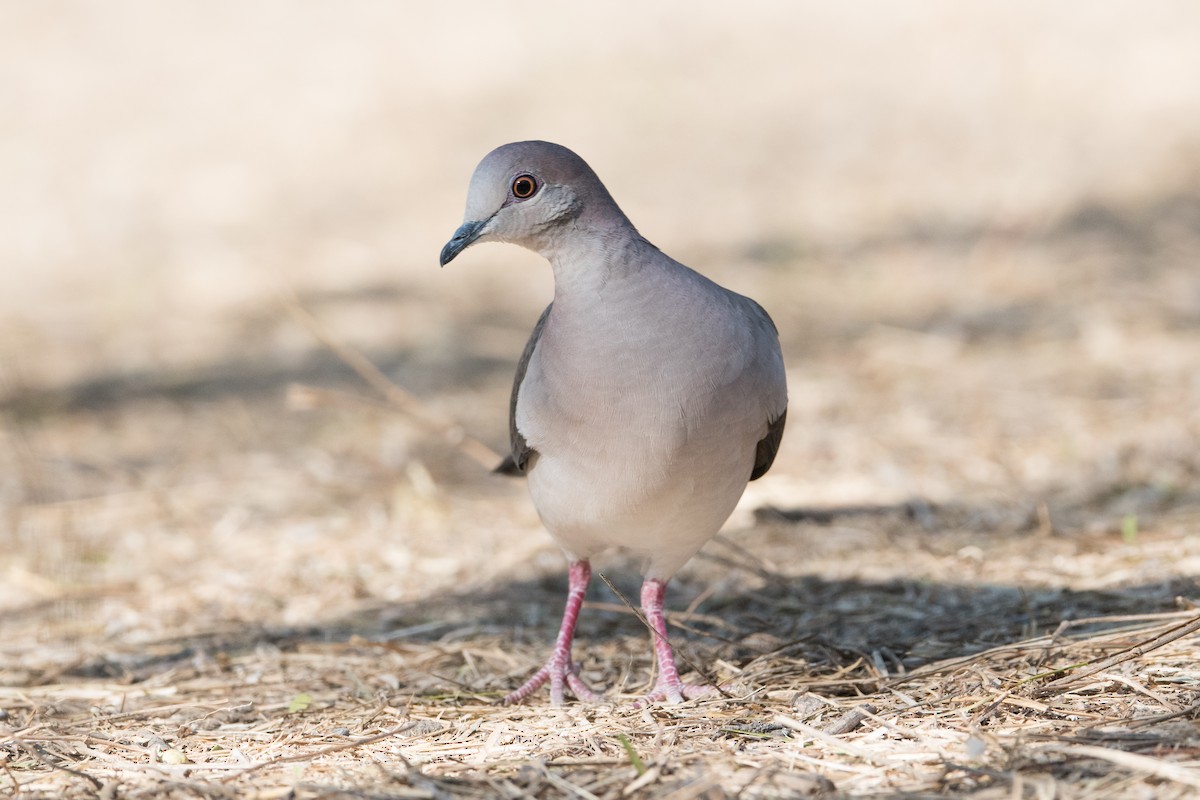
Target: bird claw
x,y
559,676
677,693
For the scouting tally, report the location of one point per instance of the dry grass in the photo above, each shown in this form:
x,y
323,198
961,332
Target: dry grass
x,y
234,568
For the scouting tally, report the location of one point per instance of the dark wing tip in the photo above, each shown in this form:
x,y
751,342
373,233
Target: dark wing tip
x,y
508,467
768,446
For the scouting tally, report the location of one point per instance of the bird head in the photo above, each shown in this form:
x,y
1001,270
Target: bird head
x,y
526,193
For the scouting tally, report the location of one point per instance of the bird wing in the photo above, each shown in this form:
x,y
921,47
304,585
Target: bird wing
x,y
768,446
514,463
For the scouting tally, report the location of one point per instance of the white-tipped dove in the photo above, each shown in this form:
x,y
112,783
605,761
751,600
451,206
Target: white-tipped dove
x,y
646,398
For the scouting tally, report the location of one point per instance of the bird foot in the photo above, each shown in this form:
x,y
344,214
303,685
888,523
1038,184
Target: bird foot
x,y
677,693
560,677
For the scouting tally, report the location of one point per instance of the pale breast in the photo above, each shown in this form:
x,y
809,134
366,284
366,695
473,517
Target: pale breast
x,y
645,423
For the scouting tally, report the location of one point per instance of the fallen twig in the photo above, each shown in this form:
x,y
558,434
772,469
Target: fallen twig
x,y
1064,683
336,748
1164,770
395,394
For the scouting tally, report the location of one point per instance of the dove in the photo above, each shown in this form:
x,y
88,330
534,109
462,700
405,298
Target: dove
x,y
645,400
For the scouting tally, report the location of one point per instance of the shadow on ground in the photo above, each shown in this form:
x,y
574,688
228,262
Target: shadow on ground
x,y
872,629
1138,243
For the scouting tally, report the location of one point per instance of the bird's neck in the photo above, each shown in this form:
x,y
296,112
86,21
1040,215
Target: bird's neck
x,y
601,261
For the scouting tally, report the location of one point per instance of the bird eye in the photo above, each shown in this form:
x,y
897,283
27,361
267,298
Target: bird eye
x,y
524,186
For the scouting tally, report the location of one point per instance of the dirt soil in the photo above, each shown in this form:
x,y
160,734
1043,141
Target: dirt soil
x,y
238,564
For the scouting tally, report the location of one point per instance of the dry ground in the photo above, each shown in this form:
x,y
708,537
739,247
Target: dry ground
x,y
231,568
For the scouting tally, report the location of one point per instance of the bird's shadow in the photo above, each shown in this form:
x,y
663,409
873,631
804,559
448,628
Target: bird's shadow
x,y
757,612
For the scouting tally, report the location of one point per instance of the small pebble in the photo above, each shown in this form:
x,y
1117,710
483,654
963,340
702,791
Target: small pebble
x,y
173,756
976,747
807,704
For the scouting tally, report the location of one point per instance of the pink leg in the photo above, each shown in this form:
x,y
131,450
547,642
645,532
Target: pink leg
x,y
669,687
560,671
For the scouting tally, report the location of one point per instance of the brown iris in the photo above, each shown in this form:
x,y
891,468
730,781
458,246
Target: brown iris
x,y
523,186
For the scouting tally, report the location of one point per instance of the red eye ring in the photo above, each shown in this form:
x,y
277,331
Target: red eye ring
x,y
524,186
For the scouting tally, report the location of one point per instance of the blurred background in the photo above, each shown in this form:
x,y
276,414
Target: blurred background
x,y
977,226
